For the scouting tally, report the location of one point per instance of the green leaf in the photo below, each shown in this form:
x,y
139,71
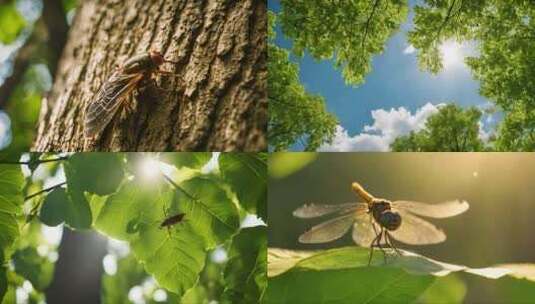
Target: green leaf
x,y
11,23
334,272
77,212
317,277
246,173
54,209
193,160
284,164
11,200
174,256
33,267
445,290
211,212
3,283
11,184
245,273
99,173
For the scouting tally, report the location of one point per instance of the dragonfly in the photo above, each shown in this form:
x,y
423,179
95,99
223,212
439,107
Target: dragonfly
x,y
377,220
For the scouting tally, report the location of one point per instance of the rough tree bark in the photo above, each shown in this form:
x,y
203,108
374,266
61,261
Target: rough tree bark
x,y
218,101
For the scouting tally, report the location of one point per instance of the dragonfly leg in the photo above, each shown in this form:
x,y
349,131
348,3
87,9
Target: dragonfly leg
x,y
389,242
371,248
379,243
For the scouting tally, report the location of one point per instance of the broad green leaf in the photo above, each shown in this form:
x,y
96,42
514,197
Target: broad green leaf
x,y
33,267
284,164
78,213
11,184
333,272
246,270
11,200
339,276
54,208
3,282
210,211
193,160
246,173
445,290
9,231
174,256
99,173
196,294
11,22
115,287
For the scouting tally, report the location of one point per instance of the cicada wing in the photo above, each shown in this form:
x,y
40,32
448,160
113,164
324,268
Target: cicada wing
x,y
328,231
416,231
363,232
100,111
441,210
317,210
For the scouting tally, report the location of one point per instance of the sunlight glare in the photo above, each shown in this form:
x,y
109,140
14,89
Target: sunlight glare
x,y
149,168
160,295
452,54
109,262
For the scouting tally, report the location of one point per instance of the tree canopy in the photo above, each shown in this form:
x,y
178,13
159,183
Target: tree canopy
x,y
505,66
451,129
294,114
351,32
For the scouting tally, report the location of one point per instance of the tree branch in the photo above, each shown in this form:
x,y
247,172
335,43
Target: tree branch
x,y
445,21
375,5
44,191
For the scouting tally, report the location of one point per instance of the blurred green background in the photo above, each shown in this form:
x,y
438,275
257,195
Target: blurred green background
x,y
496,229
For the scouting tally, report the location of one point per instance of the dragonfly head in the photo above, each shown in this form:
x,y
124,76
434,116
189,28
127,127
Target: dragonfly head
x,y
390,220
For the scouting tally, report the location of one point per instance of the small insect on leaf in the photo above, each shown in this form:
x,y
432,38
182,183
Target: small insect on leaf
x,y
111,95
172,220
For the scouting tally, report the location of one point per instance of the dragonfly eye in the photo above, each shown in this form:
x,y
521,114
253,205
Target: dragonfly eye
x,y
390,220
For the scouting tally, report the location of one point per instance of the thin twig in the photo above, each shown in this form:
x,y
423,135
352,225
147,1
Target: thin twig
x,y
39,162
169,180
44,190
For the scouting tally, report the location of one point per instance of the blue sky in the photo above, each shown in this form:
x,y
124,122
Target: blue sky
x,y
395,81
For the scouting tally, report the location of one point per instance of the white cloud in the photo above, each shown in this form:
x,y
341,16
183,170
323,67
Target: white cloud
x,y
409,50
386,127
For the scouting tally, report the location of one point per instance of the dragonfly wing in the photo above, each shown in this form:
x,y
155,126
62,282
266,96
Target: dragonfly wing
x,y
317,210
441,210
416,231
363,232
328,231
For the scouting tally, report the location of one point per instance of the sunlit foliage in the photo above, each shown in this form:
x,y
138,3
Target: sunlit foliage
x,y
294,114
451,129
505,66
351,32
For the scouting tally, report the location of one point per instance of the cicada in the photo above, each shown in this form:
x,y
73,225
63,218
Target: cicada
x,y
113,91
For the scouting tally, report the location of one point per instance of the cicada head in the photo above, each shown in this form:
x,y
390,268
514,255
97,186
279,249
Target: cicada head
x,y
157,58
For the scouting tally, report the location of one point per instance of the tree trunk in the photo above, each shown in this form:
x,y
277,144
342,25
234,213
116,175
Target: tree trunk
x,y
78,273
217,101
